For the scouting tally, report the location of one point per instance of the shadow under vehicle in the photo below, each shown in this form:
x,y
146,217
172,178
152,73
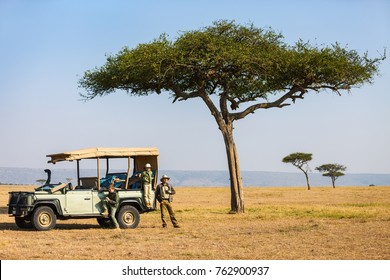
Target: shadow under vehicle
x,y
41,208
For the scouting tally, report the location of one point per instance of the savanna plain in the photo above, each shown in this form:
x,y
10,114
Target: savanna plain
x,y
346,223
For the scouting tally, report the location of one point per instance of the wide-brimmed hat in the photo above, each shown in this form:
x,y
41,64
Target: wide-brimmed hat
x,y
165,177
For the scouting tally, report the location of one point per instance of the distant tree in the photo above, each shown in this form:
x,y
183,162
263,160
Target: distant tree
x,y
333,170
40,181
300,160
235,70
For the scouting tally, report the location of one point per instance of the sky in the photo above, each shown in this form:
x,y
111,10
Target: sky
x,y
46,46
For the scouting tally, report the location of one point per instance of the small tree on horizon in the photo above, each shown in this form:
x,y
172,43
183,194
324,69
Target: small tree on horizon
x,y
333,170
300,160
40,181
235,70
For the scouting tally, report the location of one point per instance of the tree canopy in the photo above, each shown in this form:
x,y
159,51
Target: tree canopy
x,y
240,63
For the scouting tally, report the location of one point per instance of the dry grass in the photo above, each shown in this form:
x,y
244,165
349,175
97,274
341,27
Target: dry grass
x,y
279,223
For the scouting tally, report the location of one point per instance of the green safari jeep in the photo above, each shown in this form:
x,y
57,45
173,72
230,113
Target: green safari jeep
x,y
41,208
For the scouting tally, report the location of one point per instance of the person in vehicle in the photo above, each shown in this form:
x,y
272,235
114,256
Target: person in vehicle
x,y
147,180
164,193
110,204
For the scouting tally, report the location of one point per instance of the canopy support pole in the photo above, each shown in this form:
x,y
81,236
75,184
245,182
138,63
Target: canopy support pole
x,y
78,172
98,174
128,172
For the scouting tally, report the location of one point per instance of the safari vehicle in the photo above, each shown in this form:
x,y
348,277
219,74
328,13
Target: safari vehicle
x,y
41,208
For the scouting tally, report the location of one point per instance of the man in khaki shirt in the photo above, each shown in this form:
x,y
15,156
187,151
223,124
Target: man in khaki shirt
x,y
164,193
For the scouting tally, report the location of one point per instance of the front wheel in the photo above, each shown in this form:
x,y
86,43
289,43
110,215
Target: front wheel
x,y
44,218
128,217
23,223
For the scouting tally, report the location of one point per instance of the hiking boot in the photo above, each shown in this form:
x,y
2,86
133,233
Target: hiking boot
x,y
176,226
105,214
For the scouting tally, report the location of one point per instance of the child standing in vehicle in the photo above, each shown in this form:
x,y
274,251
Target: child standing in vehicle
x,y
147,179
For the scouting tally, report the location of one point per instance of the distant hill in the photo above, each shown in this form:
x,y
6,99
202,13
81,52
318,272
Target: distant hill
x,y
204,178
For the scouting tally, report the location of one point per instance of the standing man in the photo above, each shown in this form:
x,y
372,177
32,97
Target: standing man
x,y
164,193
147,180
110,204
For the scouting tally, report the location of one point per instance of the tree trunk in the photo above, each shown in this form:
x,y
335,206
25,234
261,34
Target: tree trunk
x,y
306,176
225,124
307,181
236,188
333,182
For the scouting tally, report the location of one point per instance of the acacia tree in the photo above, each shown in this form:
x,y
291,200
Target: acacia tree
x,y
40,181
300,160
236,70
333,170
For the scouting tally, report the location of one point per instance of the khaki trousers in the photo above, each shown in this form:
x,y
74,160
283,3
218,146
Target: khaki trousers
x,y
166,207
148,195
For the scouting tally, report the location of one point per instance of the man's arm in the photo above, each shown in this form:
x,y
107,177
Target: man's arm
x,y
157,193
172,190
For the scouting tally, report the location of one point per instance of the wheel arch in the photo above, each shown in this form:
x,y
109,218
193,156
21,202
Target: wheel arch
x,y
131,202
53,204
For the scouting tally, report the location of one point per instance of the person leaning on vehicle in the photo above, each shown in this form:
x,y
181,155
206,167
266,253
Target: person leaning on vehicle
x,y
110,204
147,179
164,193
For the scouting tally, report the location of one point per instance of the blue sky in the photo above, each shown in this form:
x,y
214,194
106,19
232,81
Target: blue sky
x,y
45,47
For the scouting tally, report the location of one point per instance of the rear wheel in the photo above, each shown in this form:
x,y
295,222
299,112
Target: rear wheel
x,y
44,218
23,223
128,217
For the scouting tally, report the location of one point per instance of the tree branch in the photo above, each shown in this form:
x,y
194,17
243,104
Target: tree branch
x,y
181,95
214,110
335,88
223,106
279,103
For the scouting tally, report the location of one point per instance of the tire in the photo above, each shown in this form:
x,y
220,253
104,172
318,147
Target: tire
x,y
105,222
128,217
44,218
23,223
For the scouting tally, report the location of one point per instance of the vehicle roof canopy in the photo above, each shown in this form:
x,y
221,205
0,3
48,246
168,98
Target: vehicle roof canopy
x,y
102,153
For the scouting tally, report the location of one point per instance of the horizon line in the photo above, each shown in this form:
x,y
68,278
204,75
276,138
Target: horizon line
x,y
203,170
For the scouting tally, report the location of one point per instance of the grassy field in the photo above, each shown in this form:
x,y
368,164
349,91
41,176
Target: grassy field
x,y
279,223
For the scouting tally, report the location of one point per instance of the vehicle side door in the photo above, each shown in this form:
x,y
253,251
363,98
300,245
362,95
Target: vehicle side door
x,y
79,202
97,201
